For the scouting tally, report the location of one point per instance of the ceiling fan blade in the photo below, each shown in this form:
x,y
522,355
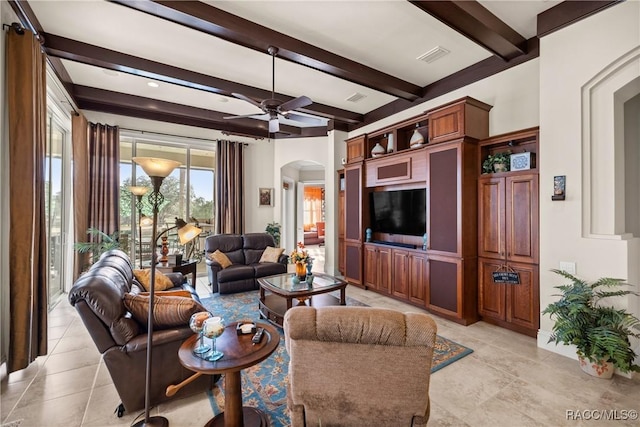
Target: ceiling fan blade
x,y
303,119
244,116
246,98
299,102
274,125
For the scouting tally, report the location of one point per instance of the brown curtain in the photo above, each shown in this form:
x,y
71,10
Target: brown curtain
x,y
96,180
26,85
229,187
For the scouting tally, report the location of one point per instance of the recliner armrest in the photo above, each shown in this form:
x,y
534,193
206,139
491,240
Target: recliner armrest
x,y
176,278
139,343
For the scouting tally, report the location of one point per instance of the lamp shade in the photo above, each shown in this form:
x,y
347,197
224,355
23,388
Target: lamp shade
x,y
138,190
145,221
187,232
153,166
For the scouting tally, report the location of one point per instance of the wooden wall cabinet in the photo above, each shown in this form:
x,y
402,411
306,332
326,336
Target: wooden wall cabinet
x,y
514,306
452,288
508,238
353,212
377,267
463,117
355,149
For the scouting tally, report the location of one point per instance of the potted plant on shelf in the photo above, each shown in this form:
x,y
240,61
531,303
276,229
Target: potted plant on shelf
x,y
601,333
498,162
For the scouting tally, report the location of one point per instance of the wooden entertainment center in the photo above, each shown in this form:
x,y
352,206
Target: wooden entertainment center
x,y
439,272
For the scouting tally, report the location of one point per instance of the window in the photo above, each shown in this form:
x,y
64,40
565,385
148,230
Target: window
x,y
188,191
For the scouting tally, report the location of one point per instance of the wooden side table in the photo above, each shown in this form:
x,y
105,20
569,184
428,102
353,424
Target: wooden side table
x,y
187,267
239,353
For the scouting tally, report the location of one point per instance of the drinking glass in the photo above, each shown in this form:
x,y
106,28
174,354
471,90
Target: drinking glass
x,y
213,328
195,323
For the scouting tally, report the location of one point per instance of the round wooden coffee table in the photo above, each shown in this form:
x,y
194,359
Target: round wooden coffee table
x,y
239,353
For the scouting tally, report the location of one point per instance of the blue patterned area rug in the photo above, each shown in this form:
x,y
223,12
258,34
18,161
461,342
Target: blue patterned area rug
x,y
264,385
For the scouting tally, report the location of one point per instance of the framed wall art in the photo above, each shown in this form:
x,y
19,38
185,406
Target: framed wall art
x,y
265,197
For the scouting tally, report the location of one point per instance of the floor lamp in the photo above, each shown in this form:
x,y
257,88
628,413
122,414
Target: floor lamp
x,y
157,170
139,192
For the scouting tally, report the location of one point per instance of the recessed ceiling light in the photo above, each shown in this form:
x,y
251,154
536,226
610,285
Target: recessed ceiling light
x,y
153,84
434,54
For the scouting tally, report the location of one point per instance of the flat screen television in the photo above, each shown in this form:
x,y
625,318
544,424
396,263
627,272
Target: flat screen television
x,y
399,212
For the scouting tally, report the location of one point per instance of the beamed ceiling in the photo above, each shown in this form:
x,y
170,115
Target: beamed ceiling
x,y
200,53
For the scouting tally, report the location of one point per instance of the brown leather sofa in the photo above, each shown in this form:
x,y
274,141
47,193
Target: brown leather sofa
x,y
244,251
98,296
358,366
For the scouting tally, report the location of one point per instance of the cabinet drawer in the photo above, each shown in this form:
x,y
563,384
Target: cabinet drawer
x,y
399,168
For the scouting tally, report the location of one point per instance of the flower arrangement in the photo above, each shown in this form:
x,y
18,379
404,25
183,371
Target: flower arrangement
x,y
300,255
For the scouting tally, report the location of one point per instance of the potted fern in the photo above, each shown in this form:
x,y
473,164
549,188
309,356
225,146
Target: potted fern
x,y
601,333
99,243
498,162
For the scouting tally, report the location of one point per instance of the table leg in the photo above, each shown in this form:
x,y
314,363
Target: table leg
x,y
234,414
343,299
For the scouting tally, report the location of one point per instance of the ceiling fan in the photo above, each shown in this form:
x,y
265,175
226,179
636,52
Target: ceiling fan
x,y
275,107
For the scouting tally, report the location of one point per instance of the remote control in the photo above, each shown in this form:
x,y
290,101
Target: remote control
x,y
258,336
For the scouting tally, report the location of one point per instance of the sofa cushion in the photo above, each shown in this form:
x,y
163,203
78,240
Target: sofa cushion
x,y
269,269
271,254
168,311
162,282
236,272
220,258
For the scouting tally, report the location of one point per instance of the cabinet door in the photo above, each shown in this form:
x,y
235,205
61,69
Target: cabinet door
x,y
522,218
353,263
341,213
491,217
371,266
491,298
355,149
446,124
341,259
384,269
443,202
445,280
417,278
400,284
353,203
523,302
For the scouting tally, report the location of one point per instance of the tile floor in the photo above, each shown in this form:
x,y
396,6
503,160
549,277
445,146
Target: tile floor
x,y
506,381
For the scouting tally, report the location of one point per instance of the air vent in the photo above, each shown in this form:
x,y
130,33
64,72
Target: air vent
x,y
356,97
434,54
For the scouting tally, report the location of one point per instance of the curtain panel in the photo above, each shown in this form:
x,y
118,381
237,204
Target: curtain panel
x,y
229,200
28,288
96,180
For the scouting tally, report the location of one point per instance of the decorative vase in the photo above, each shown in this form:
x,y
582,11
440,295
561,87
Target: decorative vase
x,y
601,369
417,140
368,234
377,150
301,271
500,167
309,267
390,144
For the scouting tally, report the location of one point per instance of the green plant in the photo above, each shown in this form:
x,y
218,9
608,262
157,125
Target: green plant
x,y
504,157
599,332
99,243
273,228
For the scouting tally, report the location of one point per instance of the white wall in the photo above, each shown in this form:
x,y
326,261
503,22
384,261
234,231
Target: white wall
x,y
569,60
259,173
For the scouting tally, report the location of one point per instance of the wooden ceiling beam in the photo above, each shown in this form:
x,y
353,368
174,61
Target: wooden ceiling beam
x,y
95,99
475,22
219,23
62,47
567,13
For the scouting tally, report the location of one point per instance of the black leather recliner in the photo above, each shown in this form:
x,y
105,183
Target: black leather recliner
x,y
98,296
244,251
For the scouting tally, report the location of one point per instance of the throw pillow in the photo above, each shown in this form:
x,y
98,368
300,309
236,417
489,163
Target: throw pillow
x,y
162,282
178,293
220,258
271,254
168,311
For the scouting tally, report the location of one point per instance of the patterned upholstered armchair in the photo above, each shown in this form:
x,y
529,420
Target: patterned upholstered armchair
x,y
357,366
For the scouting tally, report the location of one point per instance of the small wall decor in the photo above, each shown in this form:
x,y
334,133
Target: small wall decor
x,y
265,197
559,183
522,161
